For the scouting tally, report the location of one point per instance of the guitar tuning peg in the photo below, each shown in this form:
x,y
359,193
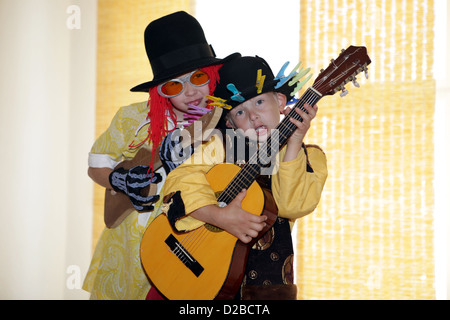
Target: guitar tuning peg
x,y
366,72
344,92
355,83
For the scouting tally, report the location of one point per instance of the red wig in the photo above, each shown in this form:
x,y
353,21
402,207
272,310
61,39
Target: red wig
x,y
160,109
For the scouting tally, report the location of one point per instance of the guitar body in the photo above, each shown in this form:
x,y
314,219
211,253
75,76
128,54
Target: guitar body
x,y
117,204
214,265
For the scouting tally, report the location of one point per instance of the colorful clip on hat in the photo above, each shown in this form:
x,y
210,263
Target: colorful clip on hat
x,y
246,77
176,44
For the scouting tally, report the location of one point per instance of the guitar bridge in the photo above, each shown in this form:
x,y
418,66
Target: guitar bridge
x,y
185,257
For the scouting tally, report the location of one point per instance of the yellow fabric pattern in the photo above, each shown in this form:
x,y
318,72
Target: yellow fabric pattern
x,y
116,272
372,234
114,143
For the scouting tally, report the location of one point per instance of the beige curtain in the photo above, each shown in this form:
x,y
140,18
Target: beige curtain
x,y
372,235
122,63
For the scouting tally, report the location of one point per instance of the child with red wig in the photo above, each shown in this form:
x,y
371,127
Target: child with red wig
x,y
185,71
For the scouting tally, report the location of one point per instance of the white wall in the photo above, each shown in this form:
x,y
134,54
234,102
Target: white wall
x,y
47,112
266,28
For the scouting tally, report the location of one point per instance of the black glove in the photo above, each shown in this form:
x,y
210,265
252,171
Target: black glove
x,y
172,153
131,182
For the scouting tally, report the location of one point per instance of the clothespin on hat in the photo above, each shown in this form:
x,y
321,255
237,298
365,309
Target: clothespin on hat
x,y
218,102
296,79
236,93
282,78
260,78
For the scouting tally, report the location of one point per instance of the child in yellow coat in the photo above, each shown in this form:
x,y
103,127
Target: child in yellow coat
x,y
296,179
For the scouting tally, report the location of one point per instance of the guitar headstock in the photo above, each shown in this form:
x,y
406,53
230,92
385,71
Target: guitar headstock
x,y
341,71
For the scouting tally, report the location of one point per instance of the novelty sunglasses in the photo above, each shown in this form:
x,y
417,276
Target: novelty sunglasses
x,y
175,87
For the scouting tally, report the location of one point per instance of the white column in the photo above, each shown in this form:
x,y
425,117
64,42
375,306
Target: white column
x,y
46,207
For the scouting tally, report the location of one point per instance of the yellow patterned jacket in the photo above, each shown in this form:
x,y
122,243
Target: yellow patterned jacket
x,y
115,272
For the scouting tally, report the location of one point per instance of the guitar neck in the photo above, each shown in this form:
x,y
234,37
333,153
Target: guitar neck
x,y
286,128
341,71
266,153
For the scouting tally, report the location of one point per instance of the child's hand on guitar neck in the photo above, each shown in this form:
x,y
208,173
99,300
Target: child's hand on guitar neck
x,y
233,219
294,143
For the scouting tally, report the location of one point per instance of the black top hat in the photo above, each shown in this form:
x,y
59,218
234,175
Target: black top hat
x,y
176,44
239,79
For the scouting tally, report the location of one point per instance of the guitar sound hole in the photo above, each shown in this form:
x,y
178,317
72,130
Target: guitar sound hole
x,y
212,228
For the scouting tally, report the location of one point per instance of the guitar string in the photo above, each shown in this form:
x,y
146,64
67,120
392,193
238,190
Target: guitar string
x,y
318,85
289,127
192,242
285,128
245,174
202,233
191,237
194,238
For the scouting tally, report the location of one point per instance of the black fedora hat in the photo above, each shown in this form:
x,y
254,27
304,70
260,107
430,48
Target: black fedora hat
x,y
239,79
176,44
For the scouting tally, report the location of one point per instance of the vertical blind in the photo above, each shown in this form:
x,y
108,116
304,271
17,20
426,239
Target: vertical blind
x,y
372,235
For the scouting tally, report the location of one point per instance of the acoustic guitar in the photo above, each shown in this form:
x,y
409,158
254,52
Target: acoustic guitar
x,y
117,205
209,263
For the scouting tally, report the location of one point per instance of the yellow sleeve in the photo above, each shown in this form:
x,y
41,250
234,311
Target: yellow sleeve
x,y
112,141
112,146
190,179
296,191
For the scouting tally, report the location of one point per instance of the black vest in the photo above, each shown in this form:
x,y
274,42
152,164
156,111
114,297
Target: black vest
x,y
270,261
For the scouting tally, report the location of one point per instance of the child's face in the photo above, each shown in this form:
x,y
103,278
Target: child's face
x,y
195,95
257,116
